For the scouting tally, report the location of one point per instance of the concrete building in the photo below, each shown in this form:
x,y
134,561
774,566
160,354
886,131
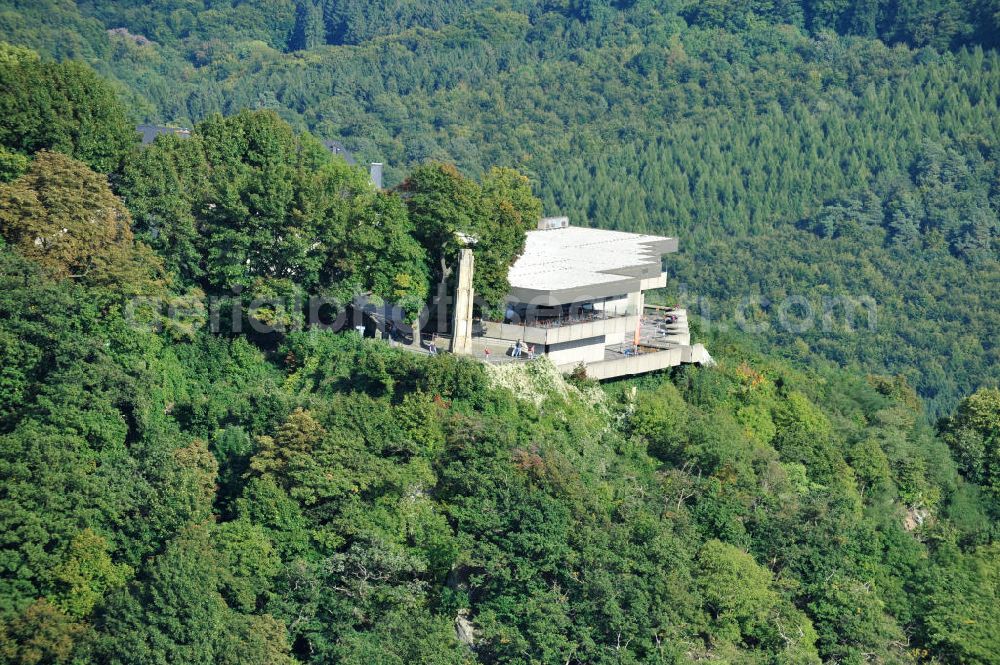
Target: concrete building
x,y
577,295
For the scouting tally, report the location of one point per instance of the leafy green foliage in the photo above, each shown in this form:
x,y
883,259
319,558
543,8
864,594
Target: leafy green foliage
x,y
63,107
492,216
348,503
41,634
961,614
828,149
65,217
177,614
743,607
973,434
193,498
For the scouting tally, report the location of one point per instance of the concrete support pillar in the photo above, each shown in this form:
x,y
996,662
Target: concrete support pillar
x,y
636,303
461,323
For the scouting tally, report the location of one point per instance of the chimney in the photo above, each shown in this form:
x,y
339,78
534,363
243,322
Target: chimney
x,y
375,174
550,223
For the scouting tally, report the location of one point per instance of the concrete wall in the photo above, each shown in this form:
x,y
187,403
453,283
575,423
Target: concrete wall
x,y
573,353
653,282
616,338
569,354
645,362
621,325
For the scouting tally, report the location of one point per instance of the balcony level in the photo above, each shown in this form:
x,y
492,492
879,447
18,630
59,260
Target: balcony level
x,y
550,332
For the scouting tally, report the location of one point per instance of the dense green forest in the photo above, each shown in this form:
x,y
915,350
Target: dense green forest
x,y
175,491
810,149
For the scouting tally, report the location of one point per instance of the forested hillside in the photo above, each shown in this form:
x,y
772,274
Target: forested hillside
x,y
812,149
184,496
180,486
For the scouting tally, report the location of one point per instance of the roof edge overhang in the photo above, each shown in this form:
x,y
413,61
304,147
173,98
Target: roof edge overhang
x,y
633,276
578,294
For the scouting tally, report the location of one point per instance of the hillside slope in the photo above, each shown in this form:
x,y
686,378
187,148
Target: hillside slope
x,y
186,481
792,151
195,501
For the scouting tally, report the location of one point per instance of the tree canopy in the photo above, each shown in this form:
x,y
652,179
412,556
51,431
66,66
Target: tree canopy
x,y
63,107
246,199
449,211
217,497
64,216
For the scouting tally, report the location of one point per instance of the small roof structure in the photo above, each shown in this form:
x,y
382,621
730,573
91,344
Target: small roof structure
x,y
574,264
150,132
338,148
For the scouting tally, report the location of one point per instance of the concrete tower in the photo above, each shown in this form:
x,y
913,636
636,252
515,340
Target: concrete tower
x,y
461,325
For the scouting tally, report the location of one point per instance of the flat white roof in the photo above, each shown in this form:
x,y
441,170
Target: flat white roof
x,y
577,257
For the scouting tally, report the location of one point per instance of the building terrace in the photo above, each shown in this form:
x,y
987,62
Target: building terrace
x,y
578,296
